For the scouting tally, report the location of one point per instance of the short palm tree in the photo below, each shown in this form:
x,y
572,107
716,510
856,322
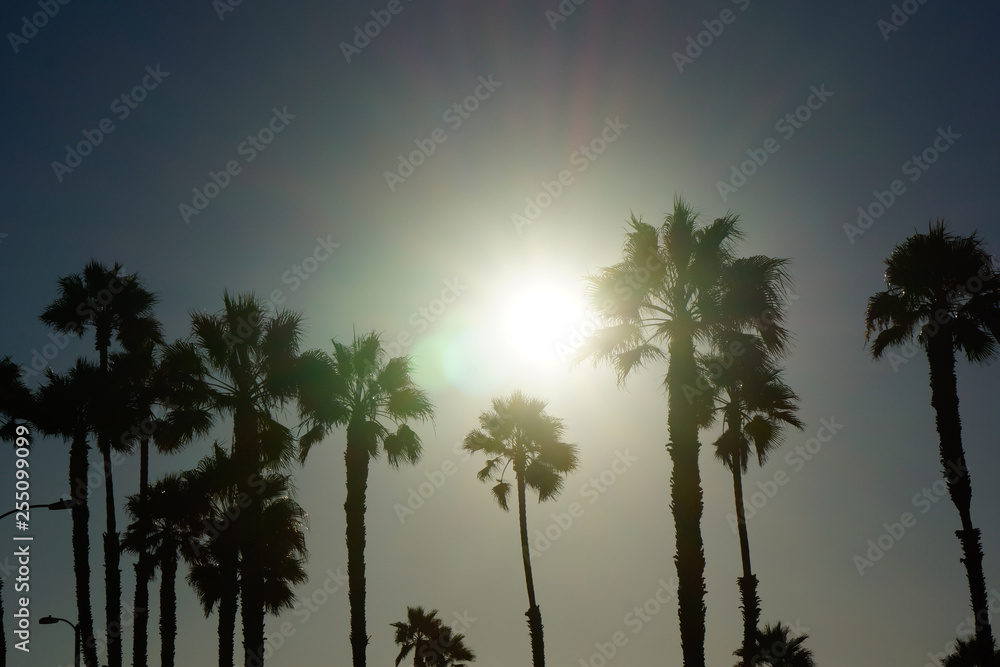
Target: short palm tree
x,y
776,647
241,362
64,405
675,287
966,654
359,389
165,525
117,306
518,434
755,404
942,288
432,643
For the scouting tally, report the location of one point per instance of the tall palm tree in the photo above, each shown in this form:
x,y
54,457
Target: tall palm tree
x,y
517,433
359,389
165,525
776,647
675,286
755,404
943,288
432,643
116,306
243,363
65,410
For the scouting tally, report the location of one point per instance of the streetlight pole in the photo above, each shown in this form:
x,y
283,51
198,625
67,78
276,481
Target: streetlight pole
x,y
49,620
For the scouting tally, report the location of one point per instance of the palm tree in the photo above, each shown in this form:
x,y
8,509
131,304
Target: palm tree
x,y
64,409
119,306
944,287
432,642
776,647
755,404
966,654
165,525
675,286
517,433
242,362
359,389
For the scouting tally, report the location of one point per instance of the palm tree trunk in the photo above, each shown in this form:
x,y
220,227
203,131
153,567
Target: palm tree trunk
x,y
143,568
112,575
228,604
248,463
81,545
356,463
944,399
3,636
686,502
534,614
748,582
168,608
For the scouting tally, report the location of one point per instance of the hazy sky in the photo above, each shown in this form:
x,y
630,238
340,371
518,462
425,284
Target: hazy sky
x,y
421,180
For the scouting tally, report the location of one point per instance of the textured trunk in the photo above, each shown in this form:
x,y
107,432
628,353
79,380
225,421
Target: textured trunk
x,y
112,575
3,638
228,604
534,614
248,456
748,582
356,463
143,568
81,545
686,502
944,399
168,609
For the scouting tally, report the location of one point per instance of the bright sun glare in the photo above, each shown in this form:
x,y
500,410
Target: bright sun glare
x,y
541,321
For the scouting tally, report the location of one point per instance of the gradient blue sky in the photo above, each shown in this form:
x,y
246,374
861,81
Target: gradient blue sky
x,y
680,132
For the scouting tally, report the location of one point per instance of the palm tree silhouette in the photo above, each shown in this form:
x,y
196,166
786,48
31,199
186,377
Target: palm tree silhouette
x,y
775,647
675,286
517,433
966,654
432,643
165,525
944,286
359,389
64,410
119,306
755,404
242,362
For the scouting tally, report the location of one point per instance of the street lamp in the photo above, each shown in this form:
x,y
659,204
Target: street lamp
x,y
49,620
65,504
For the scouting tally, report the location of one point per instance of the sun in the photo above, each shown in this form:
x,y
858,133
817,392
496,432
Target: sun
x,y
541,321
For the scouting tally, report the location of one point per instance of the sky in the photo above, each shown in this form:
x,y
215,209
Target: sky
x,y
436,170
